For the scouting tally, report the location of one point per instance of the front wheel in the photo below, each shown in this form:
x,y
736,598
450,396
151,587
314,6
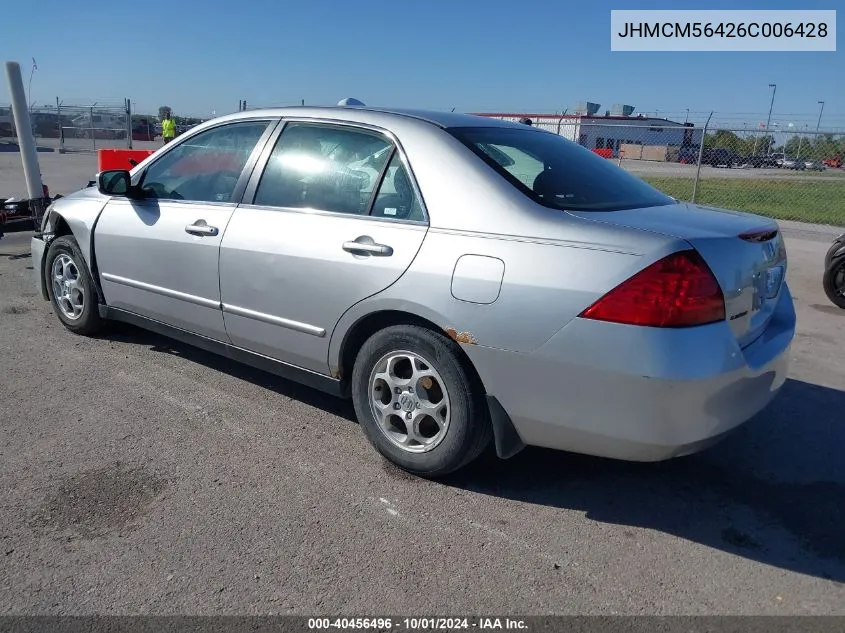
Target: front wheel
x,y
834,281
416,402
71,288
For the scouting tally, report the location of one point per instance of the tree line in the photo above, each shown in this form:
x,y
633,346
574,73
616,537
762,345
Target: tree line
x,y
818,146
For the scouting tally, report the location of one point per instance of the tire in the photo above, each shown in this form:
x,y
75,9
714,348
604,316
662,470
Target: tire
x,y
77,305
833,248
834,281
433,450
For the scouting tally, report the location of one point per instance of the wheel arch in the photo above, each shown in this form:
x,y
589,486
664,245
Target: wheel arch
x,y
506,438
368,324
59,224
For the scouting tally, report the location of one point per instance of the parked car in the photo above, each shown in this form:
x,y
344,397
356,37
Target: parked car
x,y
792,163
688,155
388,257
833,163
720,157
760,161
143,130
814,165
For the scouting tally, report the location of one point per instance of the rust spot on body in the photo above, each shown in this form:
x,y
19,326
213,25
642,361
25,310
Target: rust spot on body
x,y
461,337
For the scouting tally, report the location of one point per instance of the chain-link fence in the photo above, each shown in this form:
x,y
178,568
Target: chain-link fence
x,y
93,127
82,128
795,174
243,105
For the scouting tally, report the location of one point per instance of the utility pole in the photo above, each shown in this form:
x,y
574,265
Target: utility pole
x,y
820,116
774,88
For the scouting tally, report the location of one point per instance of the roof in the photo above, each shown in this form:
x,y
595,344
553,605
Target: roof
x,y
376,115
580,117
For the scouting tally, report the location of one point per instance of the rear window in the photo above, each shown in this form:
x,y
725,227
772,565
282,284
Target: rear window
x,y
558,173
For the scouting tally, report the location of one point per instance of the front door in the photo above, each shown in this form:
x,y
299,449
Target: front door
x,y
158,253
333,220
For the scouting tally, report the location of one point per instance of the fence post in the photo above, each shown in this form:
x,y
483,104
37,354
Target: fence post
x,y
91,127
700,156
128,108
61,127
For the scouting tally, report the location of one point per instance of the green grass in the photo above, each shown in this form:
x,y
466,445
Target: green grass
x,y
820,201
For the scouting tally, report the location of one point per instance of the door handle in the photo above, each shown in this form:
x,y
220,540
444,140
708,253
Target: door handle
x,y
366,244
201,228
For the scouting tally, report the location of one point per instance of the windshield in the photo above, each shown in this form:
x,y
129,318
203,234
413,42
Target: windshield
x,y
558,173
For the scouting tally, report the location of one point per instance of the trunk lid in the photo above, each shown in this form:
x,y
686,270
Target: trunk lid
x,y
745,252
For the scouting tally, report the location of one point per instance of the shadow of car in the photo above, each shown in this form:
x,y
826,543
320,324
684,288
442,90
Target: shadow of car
x,y
773,493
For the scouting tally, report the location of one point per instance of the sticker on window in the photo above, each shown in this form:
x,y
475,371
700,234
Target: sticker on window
x,y
390,211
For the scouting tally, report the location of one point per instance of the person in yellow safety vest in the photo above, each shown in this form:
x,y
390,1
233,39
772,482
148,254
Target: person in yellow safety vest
x,y
168,128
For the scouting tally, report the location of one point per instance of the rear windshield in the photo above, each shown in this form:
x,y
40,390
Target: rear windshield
x,y
558,173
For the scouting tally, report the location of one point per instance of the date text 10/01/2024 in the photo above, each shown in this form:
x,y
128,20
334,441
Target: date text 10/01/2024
x,y
417,624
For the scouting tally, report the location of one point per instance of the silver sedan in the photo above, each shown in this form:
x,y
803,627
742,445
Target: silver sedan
x,y
470,284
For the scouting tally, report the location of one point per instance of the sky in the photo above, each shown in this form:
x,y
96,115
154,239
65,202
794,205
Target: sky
x,y
201,58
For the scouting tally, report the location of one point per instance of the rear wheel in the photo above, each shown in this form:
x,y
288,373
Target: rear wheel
x,y
834,281
417,404
71,288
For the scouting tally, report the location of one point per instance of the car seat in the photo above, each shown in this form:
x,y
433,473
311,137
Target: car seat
x,y
544,185
398,205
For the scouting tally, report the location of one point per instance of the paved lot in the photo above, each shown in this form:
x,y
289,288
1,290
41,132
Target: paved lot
x,y
141,476
63,173
677,170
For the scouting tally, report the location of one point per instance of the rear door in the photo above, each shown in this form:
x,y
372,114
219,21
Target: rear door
x,y
333,218
158,255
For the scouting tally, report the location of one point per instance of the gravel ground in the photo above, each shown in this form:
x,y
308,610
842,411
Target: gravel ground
x,y
140,476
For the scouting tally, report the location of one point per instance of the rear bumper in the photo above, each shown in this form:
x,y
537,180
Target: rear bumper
x,y
37,247
639,394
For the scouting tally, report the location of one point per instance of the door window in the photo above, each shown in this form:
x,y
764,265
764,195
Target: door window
x,y
205,167
324,167
396,197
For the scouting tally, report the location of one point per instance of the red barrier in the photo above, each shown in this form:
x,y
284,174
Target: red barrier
x,y
604,153
119,158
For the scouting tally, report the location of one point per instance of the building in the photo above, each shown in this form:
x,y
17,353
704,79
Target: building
x,y
636,137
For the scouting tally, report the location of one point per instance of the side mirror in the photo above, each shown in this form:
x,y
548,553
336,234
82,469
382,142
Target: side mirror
x,y
114,182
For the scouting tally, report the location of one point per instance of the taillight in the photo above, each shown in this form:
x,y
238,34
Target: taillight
x,y
680,290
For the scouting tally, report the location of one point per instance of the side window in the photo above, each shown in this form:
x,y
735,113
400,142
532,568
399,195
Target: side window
x,y
396,196
205,167
323,167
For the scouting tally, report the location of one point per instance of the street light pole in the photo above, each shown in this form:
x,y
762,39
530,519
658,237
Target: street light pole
x,y
774,88
29,86
820,116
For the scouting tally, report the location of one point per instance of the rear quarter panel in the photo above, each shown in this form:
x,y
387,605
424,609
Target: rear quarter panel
x,y
544,285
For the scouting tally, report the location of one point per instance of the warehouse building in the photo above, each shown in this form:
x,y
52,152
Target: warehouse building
x,y
617,131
